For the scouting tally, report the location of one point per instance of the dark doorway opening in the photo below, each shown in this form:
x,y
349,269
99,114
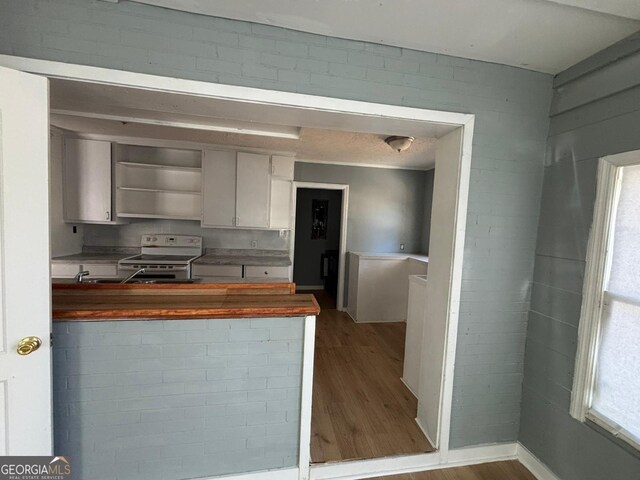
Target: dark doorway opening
x,y
317,242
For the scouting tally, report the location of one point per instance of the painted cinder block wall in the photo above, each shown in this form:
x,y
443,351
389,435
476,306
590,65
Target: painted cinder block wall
x,y
155,399
595,112
511,107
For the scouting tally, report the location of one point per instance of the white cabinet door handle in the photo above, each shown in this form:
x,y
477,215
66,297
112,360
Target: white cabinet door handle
x,y
108,215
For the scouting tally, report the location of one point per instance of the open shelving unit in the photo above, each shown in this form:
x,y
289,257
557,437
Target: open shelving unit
x,y
160,183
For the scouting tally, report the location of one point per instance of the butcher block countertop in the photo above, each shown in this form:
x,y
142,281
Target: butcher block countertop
x,y
77,302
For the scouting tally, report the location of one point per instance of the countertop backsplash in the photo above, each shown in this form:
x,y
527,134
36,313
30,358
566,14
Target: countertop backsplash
x,y
128,235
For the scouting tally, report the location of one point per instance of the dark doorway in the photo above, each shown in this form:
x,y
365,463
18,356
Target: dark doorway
x,y
317,241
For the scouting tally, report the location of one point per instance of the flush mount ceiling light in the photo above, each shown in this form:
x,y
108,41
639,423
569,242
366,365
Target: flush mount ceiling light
x,y
399,144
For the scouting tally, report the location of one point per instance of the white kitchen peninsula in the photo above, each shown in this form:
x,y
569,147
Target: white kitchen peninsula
x,y
379,284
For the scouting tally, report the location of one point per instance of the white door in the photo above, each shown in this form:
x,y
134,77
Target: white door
x,y
218,188
87,180
25,300
441,248
252,194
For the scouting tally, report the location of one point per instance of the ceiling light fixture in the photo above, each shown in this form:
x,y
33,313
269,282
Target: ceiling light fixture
x,y
399,144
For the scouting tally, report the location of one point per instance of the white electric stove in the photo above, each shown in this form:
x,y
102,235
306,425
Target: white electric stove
x,y
163,256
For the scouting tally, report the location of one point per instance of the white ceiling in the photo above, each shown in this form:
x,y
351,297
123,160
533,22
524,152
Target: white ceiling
x,y
543,35
103,111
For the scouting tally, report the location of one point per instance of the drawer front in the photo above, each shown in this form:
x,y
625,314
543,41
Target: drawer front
x,y
216,271
210,279
101,269
64,270
257,271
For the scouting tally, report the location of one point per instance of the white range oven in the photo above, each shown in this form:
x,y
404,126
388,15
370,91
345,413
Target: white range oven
x,y
163,257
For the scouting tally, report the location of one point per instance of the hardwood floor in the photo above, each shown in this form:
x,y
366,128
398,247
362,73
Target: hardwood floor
x,y
325,300
511,470
361,409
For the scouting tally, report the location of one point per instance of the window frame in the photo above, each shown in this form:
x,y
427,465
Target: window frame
x,y
598,266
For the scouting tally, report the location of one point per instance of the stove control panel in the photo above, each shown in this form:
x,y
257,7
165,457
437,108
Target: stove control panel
x,y
167,240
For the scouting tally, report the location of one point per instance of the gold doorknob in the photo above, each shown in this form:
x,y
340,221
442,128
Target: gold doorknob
x,y
28,345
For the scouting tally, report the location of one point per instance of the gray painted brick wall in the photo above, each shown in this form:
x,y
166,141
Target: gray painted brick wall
x,y
578,137
511,107
177,399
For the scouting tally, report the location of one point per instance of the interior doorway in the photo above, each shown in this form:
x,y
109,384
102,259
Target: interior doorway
x,y
317,247
318,262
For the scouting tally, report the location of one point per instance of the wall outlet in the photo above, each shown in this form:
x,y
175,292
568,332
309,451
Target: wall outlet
x,y
402,246
284,233
254,244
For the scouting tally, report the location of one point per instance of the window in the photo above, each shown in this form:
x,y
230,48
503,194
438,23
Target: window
x,y
606,387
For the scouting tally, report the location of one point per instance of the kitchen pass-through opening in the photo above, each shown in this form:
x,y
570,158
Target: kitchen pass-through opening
x,y
441,128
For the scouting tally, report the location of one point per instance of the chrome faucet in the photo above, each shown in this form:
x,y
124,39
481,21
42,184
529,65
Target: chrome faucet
x,y
79,278
130,277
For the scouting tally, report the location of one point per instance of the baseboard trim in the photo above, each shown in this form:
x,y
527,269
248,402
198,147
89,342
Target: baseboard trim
x,y
421,427
359,469
281,474
377,467
534,465
407,385
304,288
461,457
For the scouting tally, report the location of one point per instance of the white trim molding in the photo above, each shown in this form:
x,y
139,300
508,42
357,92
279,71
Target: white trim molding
x,y
365,165
534,465
108,76
594,298
361,469
281,474
413,463
308,351
594,281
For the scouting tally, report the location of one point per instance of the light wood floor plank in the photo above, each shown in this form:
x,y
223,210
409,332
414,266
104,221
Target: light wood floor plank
x,y
361,408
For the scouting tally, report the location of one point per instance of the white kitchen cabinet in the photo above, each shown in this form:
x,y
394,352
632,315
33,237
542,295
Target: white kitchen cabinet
x,y
281,192
236,189
252,190
280,210
71,269
218,189
256,271
282,167
201,271
65,270
87,181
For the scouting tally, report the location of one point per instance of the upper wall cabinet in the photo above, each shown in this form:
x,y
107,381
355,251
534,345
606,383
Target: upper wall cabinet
x,y
162,183
281,192
246,190
252,190
218,188
87,181
235,189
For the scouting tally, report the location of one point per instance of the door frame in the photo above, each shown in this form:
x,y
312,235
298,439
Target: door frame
x,y
342,254
105,76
